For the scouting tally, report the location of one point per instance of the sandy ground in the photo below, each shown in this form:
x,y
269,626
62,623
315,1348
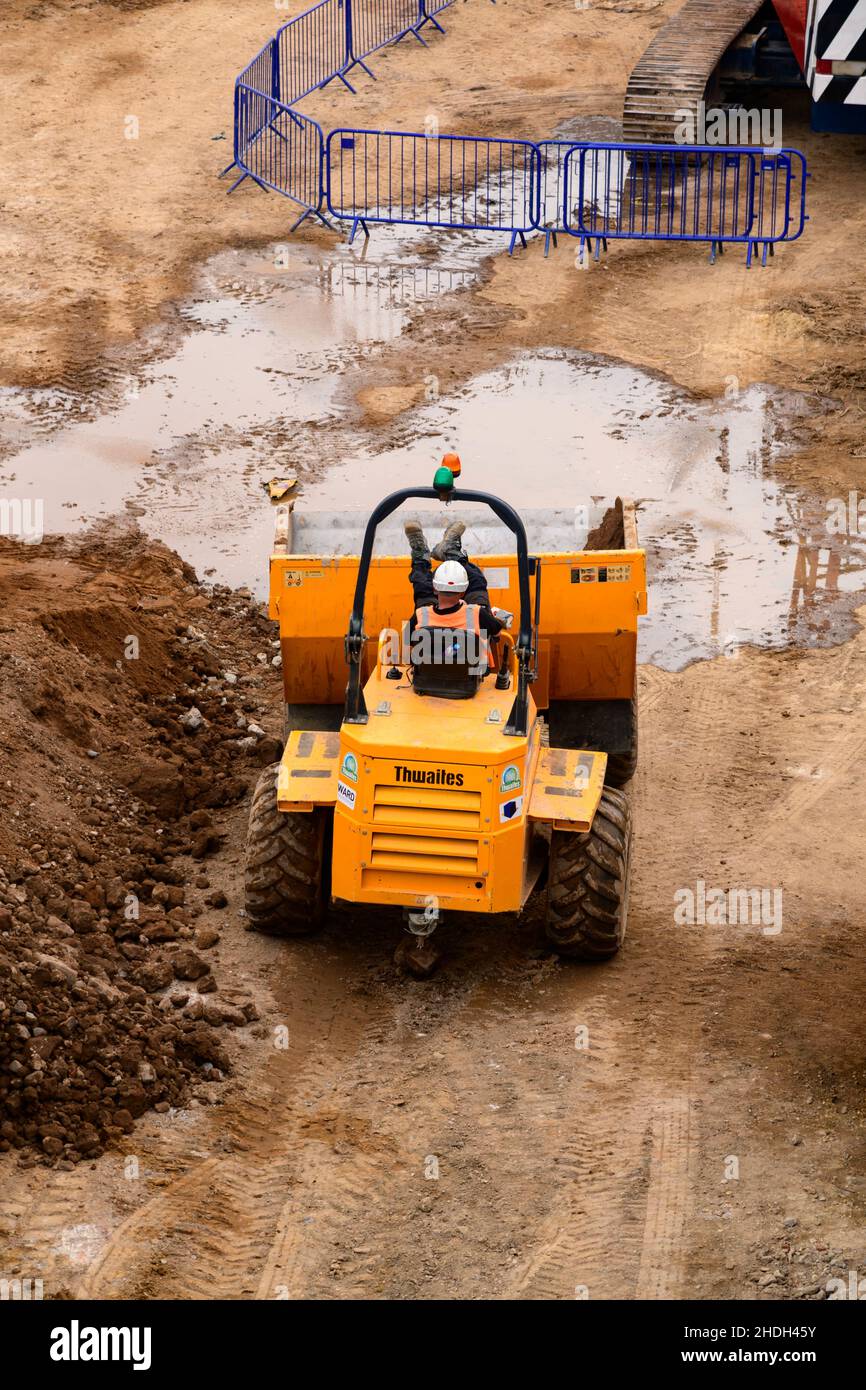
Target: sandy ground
x,y
120,222
709,1139
686,1121
102,233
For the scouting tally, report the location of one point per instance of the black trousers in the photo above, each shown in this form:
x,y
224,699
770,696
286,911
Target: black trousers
x,y
421,579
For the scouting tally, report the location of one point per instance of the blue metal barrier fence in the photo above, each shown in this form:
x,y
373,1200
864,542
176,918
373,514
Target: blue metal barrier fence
x,y
283,149
706,193
593,191
454,181
311,50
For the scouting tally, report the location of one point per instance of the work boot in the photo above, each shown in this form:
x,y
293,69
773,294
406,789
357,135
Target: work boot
x,y
449,548
417,541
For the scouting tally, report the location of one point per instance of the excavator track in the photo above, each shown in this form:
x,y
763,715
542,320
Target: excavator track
x,y
674,71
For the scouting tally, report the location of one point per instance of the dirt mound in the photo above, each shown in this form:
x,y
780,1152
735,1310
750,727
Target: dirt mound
x,y
609,534
126,699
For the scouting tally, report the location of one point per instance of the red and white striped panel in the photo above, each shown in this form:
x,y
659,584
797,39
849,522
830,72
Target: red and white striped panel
x,y
835,56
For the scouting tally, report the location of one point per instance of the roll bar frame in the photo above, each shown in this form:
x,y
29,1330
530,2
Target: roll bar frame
x,y
356,707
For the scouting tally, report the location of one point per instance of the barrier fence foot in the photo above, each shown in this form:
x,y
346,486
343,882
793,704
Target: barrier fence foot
x,y
514,238
415,35
237,183
768,250
429,19
549,235
311,212
749,248
358,222
357,63
233,165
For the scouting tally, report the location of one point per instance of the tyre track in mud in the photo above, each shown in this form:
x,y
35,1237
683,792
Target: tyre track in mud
x,y
359,1173
563,1171
554,1173
613,1181
589,1240
843,749
44,1222
661,1268
559,1168
211,1230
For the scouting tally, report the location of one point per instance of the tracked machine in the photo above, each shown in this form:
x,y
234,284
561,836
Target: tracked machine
x,y
463,793
711,45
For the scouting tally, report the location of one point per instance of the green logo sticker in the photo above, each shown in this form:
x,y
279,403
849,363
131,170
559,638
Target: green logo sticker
x,y
510,778
350,767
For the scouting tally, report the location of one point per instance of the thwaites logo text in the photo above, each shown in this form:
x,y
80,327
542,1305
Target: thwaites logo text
x,y
428,776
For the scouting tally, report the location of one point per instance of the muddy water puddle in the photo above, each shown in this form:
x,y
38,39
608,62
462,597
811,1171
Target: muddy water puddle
x,y
273,339
280,339
734,557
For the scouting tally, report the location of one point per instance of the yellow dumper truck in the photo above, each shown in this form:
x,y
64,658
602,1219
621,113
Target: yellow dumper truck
x,y
457,791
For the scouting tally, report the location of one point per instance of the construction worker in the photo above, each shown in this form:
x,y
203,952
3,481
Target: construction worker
x,y
456,594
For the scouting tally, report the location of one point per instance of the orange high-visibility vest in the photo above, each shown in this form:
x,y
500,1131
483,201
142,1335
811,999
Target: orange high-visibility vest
x,y
465,618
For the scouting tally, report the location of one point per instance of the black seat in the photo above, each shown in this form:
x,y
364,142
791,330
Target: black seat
x,y
449,674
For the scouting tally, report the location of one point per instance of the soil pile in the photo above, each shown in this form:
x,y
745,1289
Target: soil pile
x,y
129,707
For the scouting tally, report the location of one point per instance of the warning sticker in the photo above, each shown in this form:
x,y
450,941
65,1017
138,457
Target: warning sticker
x,y
497,578
509,810
346,795
601,574
293,579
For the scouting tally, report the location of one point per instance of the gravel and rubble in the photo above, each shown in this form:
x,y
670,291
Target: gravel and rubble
x,y
120,748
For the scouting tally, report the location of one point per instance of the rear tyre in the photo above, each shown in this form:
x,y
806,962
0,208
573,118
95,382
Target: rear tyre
x,y
286,863
621,767
587,887
324,718
599,725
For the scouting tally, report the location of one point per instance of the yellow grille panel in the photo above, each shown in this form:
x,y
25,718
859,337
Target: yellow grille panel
x,y
420,864
427,808
413,844
423,853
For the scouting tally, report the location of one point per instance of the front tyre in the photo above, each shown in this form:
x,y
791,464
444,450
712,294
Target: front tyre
x,y
286,863
587,894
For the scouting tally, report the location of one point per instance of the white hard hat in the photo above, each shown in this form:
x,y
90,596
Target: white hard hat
x,y
451,578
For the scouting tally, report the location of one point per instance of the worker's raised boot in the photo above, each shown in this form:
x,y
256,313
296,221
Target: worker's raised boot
x,y
450,547
418,547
